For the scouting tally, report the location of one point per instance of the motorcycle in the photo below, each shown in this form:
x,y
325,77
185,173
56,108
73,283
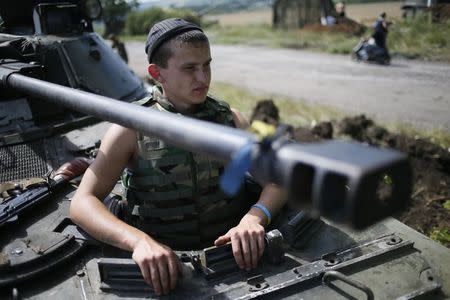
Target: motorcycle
x,y
368,51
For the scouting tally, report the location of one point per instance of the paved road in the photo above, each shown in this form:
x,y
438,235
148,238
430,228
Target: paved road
x,y
411,92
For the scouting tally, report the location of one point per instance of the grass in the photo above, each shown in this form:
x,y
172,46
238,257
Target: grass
x,y
436,136
421,39
129,38
265,35
292,112
440,235
446,204
298,113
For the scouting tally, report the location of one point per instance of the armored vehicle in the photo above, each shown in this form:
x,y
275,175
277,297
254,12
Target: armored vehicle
x,y
57,80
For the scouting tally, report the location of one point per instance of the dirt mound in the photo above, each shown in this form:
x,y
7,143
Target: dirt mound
x,y
267,112
430,164
345,25
365,130
441,12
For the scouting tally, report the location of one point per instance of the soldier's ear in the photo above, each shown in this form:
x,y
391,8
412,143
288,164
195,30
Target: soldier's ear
x,y
153,70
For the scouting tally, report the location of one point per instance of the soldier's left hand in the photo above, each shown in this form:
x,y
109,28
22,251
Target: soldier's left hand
x,y
247,241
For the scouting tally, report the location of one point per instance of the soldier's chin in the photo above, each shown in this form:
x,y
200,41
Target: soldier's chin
x,y
199,97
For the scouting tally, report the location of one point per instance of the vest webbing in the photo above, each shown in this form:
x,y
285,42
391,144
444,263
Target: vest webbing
x,y
173,194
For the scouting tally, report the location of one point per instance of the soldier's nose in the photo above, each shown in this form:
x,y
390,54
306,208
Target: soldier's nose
x,y
201,76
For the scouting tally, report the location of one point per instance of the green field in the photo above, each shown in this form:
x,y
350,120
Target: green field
x,y
292,112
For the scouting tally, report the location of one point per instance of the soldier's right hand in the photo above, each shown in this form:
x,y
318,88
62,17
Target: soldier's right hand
x,y
159,265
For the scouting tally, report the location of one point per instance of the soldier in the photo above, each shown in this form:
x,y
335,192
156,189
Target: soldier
x,y
119,46
173,198
381,28
340,9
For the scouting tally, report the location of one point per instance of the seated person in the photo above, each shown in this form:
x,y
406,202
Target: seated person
x,y
173,197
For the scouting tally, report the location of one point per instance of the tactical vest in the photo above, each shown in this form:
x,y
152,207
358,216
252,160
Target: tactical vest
x,y
173,194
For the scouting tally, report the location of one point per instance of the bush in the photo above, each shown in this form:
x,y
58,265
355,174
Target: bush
x,y
419,37
139,22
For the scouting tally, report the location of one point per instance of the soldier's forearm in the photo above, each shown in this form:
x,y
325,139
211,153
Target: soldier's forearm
x,y
91,215
272,199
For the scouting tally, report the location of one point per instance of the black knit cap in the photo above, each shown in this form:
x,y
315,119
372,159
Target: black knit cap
x,y
165,30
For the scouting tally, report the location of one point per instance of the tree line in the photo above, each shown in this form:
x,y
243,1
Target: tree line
x,y
123,14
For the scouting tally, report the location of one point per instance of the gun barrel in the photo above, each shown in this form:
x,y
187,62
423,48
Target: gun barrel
x,y
336,179
191,134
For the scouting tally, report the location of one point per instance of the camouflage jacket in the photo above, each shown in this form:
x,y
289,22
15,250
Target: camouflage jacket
x,y
173,194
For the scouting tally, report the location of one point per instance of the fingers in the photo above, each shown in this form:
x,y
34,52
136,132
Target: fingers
x,y
248,247
168,269
159,266
251,249
254,253
246,250
237,252
174,268
145,271
261,245
164,276
156,281
150,272
161,275
222,240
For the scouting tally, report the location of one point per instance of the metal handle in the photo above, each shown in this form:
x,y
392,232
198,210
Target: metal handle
x,y
337,275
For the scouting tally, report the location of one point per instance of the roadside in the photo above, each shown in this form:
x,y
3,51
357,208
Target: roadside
x,y
407,38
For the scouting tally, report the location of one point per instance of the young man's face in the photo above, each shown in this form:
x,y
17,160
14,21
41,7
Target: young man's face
x,y
188,74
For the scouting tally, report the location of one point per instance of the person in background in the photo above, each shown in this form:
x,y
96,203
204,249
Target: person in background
x,y
119,47
381,31
340,9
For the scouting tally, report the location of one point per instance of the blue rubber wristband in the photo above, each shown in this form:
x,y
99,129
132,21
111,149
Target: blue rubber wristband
x,y
264,210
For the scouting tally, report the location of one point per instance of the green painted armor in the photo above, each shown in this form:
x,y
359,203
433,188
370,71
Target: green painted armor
x,y
173,194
